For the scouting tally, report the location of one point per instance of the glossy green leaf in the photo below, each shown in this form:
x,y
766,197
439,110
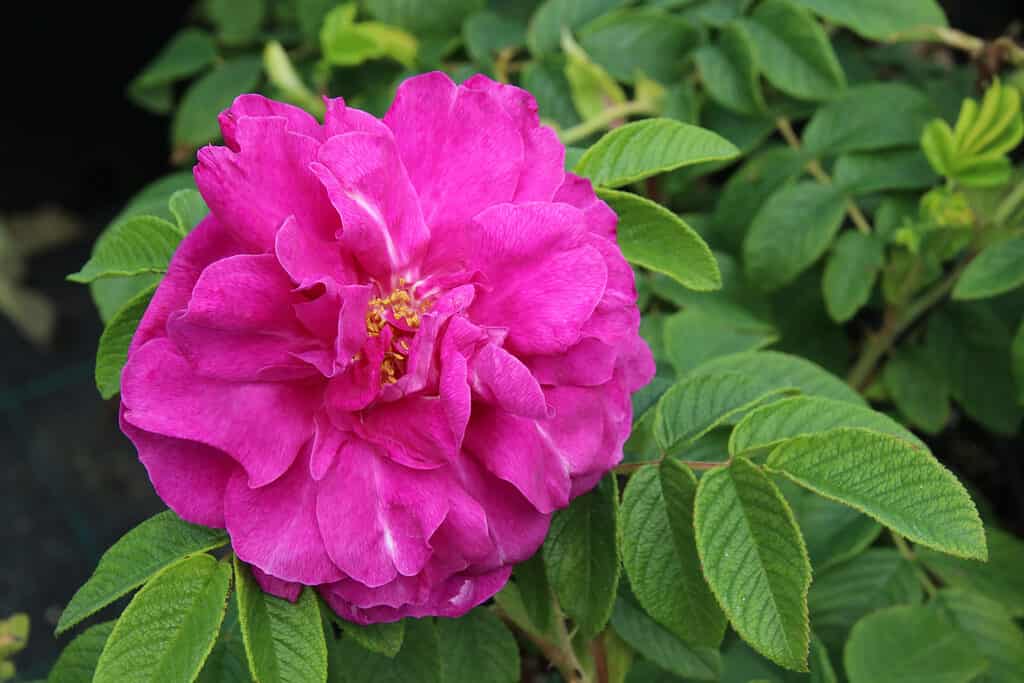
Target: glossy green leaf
x,y
998,269
918,387
729,70
113,347
660,646
77,663
880,19
644,148
860,173
195,122
477,647
755,560
546,24
890,479
792,231
789,418
154,545
646,40
440,17
998,579
142,244
238,21
284,642
652,236
986,625
419,659
666,577
794,52
582,557
850,274
169,628
696,405
908,644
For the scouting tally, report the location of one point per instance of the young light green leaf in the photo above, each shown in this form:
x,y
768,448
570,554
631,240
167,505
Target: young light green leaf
x,y
794,53
581,555
546,24
861,173
592,89
287,81
998,269
652,236
893,480
666,576
347,43
869,117
477,647
169,628
646,40
907,644
195,122
657,644
284,643
729,70
850,274
755,560
696,405
142,244
644,148
188,209
939,146
77,663
999,579
880,19
987,626
918,388
144,551
113,347
793,229
419,659
776,369
789,418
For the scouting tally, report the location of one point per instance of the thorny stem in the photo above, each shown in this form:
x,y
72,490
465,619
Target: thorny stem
x,y
603,119
818,173
910,556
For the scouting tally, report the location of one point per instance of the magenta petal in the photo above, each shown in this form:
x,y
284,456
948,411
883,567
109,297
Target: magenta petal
x,y
254,190
161,394
600,218
501,379
589,363
377,516
275,528
298,120
417,431
368,186
286,590
308,257
341,118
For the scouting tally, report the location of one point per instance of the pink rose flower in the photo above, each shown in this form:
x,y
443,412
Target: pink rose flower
x,y
391,351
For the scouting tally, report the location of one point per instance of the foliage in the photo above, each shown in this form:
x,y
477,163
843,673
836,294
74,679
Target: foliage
x,y
834,194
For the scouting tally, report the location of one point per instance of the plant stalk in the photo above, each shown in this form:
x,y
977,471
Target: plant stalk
x,y
603,119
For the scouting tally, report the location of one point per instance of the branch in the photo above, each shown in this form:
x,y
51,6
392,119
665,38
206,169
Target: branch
x,y
605,118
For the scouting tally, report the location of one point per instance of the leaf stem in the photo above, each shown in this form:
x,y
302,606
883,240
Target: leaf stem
x,y
604,118
1009,204
910,556
814,168
632,467
965,42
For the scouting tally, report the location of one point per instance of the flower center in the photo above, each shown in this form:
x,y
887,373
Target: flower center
x,y
400,312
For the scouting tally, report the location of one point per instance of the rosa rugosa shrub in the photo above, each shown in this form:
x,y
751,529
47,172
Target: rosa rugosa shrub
x,y
636,335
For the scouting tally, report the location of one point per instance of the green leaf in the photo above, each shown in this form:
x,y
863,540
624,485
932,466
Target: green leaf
x,y
645,148
187,53
850,274
419,659
284,643
170,626
652,236
879,19
548,84
794,53
908,644
939,147
648,41
918,388
833,533
895,481
113,347
696,405
755,560
869,117
77,663
729,70
195,123
149,548
1017,359
188,208
346,43
986,625
778,422
142,244
860,173
227,663
385,638
439,17
582,557
546,24
535,591
238,21
666,576
591,87
793,229
842,594
487,33
999,579
310,15
776,369
998,269
477,648
657,644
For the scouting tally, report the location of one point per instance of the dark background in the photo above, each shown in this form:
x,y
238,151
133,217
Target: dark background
x,y
69,483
